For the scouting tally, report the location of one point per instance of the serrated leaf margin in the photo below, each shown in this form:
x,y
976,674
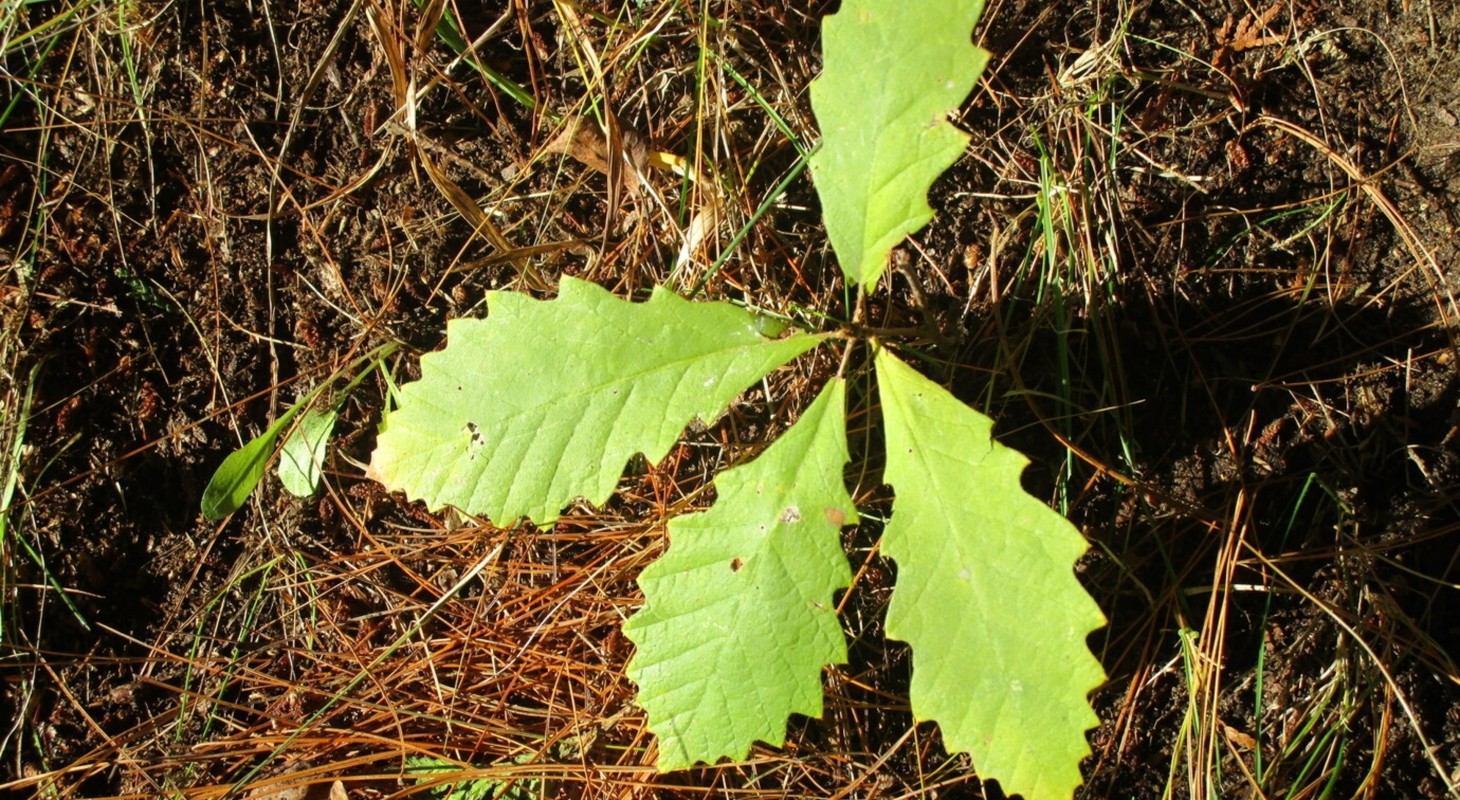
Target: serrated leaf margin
x,y
986,594
436,445
711,602
893,73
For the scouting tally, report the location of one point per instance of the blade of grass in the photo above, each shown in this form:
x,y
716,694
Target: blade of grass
x,y
760,211
7,529
195,656
450,32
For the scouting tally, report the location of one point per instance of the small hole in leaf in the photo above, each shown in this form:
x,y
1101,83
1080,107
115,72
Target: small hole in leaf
x,y
477,439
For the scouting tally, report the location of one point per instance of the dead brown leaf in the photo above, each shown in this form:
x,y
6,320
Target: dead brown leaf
x,y
585,142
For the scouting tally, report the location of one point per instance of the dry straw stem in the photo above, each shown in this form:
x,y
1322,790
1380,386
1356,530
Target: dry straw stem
x,y
395,46
601,140
1424,260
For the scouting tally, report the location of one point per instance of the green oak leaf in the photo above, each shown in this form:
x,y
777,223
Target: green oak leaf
x,y
544,402
986,594
893,72
739,617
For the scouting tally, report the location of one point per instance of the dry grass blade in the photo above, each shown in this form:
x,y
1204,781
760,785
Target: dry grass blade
x,y
403,83
480,223
1424,259
616,155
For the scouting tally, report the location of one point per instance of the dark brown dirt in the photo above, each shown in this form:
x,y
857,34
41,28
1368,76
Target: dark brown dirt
x,y
1250,345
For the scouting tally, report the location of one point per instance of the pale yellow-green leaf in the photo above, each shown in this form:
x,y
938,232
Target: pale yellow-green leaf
x,y
986,593
739,614
893,70
301,459
544,401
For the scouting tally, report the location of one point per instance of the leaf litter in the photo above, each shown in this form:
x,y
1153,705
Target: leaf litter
x,y
1250,349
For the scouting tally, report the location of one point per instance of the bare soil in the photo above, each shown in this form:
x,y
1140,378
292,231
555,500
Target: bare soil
x,y
1200,261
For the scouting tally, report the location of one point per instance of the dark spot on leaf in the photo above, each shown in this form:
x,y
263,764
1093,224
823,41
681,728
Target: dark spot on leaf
x,y
477,440
736,563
